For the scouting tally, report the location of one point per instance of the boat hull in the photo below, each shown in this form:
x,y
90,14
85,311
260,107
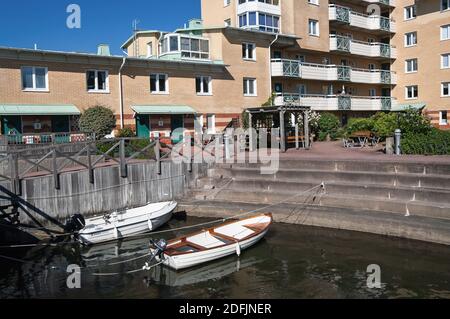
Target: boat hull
x,y
190,260
128,226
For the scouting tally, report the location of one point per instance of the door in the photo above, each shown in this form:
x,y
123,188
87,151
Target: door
x,y
61,124
143,126
177,123
12,127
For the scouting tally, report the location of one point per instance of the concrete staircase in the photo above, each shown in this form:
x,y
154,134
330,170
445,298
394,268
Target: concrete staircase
x,y
401,199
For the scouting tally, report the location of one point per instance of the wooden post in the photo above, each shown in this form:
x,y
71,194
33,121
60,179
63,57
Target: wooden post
x,y
89,160
55,169
158,156
251,146
123,163
282,132
306,129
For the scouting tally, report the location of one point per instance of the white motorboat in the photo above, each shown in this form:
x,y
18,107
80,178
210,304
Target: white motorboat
x,y
211,244
126,223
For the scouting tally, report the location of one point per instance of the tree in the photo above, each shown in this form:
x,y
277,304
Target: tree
x,y
99,120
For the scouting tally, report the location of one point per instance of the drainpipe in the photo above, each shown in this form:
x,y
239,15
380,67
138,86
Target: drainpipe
x,y
270,63
121,92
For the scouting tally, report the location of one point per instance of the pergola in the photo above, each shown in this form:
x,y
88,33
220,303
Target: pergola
x,y
281,110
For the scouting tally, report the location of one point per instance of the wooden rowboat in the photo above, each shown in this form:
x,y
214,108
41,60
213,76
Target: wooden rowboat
x,y
214,243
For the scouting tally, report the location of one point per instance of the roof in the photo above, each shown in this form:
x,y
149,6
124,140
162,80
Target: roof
x,y
405,106
140,33
39,109
275,109
163,109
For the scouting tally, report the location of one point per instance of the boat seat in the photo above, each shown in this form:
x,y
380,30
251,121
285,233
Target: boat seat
x,y
235,231
205,240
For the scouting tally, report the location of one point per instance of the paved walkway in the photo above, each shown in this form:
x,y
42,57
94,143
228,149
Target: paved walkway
x,y
336,151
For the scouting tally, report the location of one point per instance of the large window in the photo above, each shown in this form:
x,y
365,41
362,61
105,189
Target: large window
x,y
445,89
445,61
249,51
159,83
410,39
189,47
412,92
445,32
97,81
250,87
445,5
272,2
410,12
34,78
203,85
411,65
313,26
260,21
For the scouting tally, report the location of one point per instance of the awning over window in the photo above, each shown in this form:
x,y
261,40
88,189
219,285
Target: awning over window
x,y
38,109
163,109
405,106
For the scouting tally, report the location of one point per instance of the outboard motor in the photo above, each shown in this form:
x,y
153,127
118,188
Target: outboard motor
x,y
74,224
159,246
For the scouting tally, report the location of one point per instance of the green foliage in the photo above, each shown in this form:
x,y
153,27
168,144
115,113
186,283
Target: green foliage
x,y
125,132
99,120
433,142
360,124
245,120
270,101
412,121
328,125
384,124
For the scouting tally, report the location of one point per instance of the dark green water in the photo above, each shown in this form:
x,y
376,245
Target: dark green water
x,y
292,262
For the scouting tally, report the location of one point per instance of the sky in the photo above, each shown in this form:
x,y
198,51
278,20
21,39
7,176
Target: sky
x,y
24,23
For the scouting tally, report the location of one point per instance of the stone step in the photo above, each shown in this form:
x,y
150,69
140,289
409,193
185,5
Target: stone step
x,y
387,166
363,220
317,176
345,189
316,198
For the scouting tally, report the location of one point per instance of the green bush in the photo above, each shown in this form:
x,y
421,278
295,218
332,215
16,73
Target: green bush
x,y
125,132
433,142
328,125
359,124
384,124
412,121
99,120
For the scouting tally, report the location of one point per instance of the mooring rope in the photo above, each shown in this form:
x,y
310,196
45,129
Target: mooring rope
x,y
127,272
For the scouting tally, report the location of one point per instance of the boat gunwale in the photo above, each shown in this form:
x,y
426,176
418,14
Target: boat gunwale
x,y
183,240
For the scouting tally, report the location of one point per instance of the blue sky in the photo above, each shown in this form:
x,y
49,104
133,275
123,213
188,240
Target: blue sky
x,y
26,22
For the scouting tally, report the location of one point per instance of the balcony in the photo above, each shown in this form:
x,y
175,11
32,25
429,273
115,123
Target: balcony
x,y
257,6
366,49
330,72
359,20
390,3
319,102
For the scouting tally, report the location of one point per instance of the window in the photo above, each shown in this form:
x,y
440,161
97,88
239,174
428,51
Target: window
x,y
211,118
410,39
34,79
300,58
445,5
226,3
249,51
445,32
260,21
371,66
159,83
194,48
445,61
97,81
149,49
372,92
443,120
227,22
313,27
316,2
411,65
410,12
445,89
203,85
249,87
412,92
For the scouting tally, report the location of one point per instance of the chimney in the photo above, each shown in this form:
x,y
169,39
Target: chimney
x,y
103,49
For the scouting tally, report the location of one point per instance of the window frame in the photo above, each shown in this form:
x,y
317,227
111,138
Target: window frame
x,y
413,13
441,118
447,26
448,61
314,2
246,85
406,39
202,89
416,64
96,90
416,90
317,28
158,79
247,44
442,7
443,85
34,88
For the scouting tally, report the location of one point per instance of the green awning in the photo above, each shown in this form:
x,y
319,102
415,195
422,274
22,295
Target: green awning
x,y
38,109
405,106
163,109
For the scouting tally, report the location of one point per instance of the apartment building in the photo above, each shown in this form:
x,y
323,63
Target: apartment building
x,y
423,61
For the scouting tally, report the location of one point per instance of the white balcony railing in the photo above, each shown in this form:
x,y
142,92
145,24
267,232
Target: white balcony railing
x,y
390,3
257,6
319,102
330,72
368,49
360,20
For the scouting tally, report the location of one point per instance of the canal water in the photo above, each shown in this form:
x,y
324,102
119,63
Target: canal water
x,y
291,262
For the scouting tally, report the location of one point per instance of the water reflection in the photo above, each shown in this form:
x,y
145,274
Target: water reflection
x,y
292,262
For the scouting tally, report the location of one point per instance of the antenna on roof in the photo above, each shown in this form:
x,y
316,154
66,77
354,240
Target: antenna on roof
x,y
135,31
35,46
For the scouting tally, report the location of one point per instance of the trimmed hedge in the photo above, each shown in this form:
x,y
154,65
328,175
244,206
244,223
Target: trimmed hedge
x,y
99,120
328,125
434,142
